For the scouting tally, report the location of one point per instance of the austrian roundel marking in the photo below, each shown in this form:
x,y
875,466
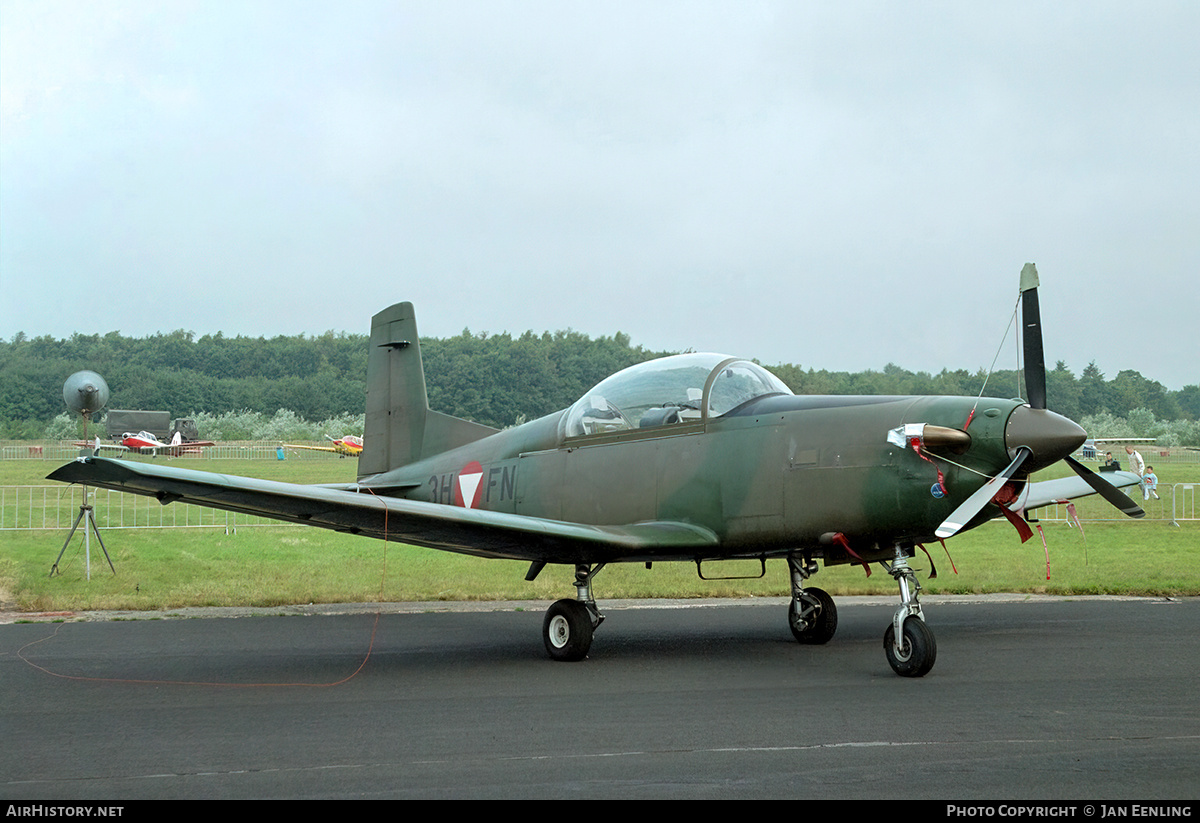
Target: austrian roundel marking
x,y
469,487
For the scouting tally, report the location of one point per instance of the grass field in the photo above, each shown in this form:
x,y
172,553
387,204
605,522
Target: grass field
x,y
275,565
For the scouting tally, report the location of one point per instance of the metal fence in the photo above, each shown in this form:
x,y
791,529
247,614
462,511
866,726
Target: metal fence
x,y
61,450
55,507
25,508
1175,503
1183,502
1151,454
64,450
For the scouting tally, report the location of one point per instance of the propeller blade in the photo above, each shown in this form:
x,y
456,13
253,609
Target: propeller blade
x,y
1031,339
1105,489
975,503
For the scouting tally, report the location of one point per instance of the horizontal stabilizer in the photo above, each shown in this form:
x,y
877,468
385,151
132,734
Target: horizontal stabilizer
x,y
1045,492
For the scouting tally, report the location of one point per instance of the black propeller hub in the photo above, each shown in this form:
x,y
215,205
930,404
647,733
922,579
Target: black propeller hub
x,y
1049,436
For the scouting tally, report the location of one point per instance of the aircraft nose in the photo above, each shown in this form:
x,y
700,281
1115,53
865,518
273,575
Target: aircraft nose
x,y
1050,436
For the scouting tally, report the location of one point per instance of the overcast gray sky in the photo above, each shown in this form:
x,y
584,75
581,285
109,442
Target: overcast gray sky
x,y
835,184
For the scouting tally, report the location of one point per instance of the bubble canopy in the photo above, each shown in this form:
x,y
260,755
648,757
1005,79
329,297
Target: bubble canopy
x,y
671,390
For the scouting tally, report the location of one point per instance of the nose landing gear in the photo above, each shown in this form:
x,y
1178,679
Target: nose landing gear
x,y
908,643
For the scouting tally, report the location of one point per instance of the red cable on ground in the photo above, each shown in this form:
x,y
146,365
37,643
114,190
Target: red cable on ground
x,y
347,678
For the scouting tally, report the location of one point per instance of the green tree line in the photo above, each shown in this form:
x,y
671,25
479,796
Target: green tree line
x,y
497,379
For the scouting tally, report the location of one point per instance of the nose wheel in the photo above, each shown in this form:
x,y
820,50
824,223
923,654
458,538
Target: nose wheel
x,y
908,643
915,653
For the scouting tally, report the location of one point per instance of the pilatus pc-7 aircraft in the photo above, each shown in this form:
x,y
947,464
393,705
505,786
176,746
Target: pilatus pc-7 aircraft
x,y
695,457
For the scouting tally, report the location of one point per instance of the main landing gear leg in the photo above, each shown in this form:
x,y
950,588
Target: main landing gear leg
x,y
569,624
811,614
908,643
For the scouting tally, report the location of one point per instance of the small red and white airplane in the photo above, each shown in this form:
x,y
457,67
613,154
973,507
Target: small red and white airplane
x,y
146,443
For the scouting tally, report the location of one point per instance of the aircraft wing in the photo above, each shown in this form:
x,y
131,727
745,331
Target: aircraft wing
x,y
452,528
84,444
1044,492
313,448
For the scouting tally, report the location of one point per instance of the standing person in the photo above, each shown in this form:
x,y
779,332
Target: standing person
x,y
1136,464
1150,484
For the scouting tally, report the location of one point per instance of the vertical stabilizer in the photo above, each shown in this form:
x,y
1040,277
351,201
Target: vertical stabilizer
x,y
400,428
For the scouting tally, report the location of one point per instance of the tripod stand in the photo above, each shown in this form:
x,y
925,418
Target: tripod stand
x,y
85,512
85,392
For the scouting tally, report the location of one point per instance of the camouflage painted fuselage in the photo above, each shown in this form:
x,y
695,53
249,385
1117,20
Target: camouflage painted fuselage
x,y
780,473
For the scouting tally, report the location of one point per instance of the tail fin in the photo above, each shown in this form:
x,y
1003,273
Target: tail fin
x,y
400,427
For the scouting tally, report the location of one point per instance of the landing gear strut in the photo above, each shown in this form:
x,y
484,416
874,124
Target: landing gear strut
x,y
908,643
569,624
812,616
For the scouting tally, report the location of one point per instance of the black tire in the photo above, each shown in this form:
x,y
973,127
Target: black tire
x,y
567,631
818,627
919,650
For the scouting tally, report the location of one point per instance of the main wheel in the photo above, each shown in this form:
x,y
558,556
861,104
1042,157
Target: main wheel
x,y
567,630
918,651
814,619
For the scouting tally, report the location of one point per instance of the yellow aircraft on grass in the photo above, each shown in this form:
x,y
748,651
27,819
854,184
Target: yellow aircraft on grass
x,y
348,446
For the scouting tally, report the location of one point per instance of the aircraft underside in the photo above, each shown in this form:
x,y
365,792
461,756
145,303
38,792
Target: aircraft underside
x,y
909,644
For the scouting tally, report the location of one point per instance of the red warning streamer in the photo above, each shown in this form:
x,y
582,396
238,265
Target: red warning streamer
x,y
841,540
915,442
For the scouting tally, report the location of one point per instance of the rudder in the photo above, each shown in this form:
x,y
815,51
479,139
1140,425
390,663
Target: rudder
x,y
400,428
